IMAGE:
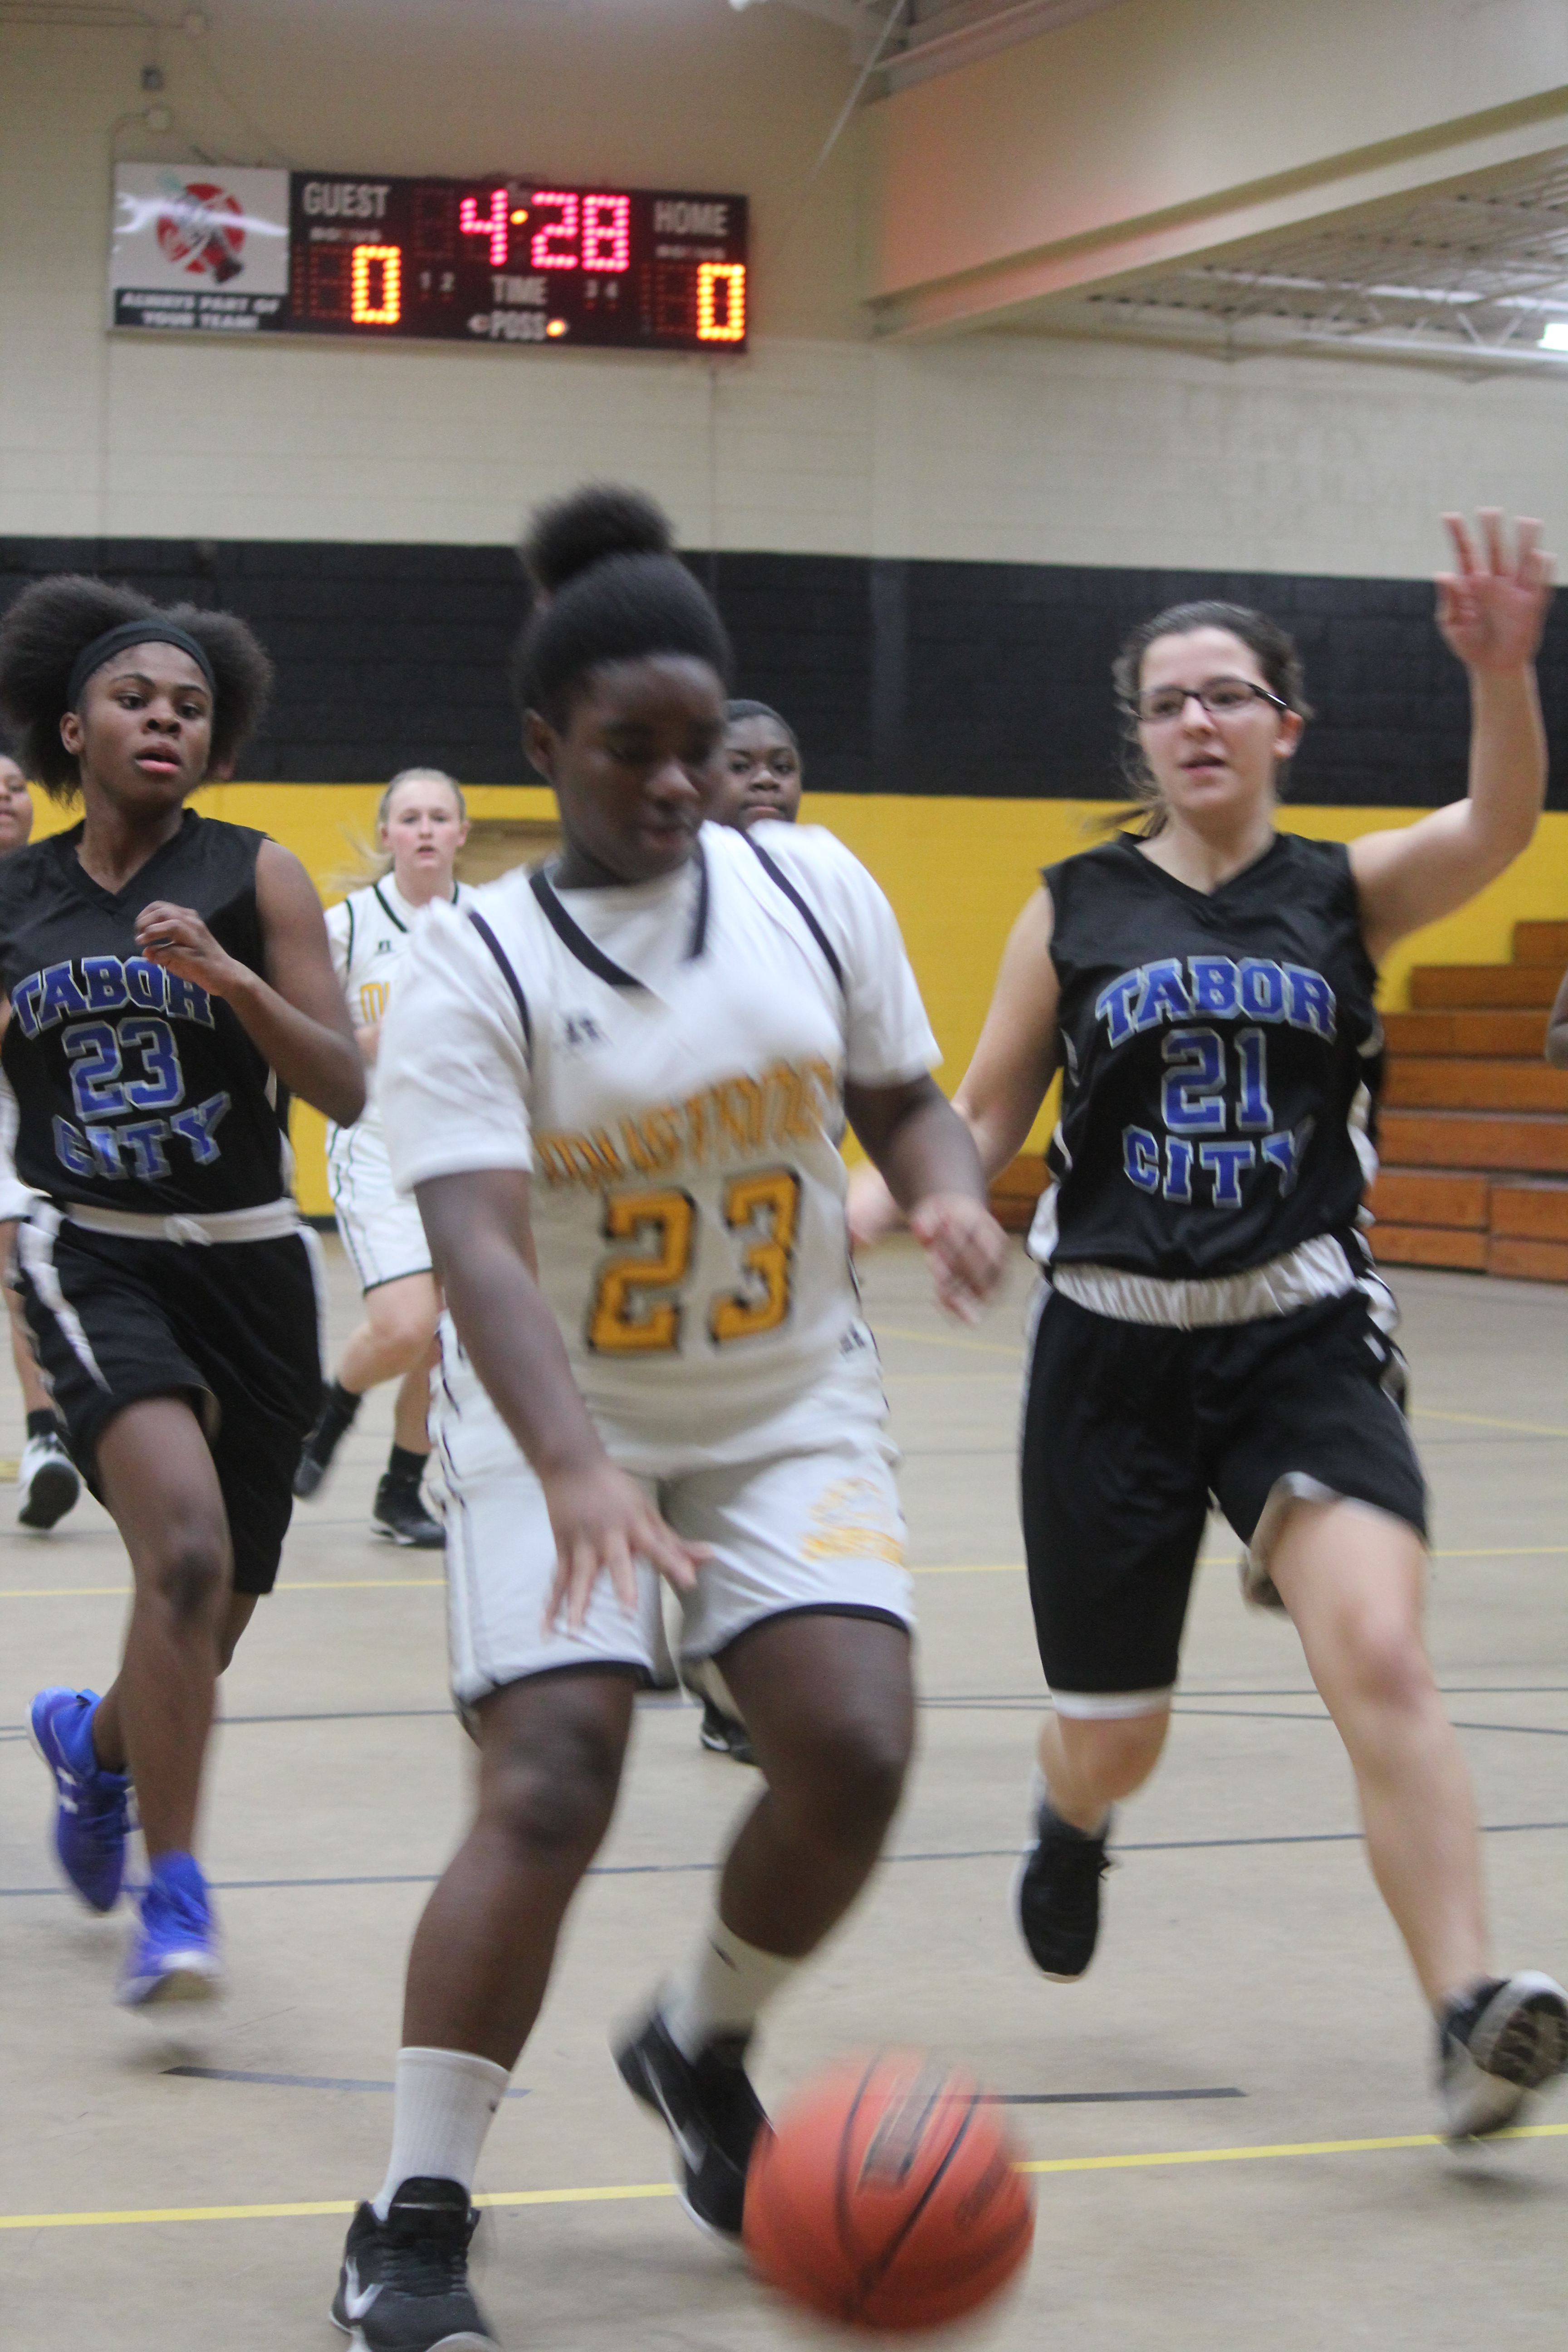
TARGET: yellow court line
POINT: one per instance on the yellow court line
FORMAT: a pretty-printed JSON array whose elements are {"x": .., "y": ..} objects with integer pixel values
[
  {"x": 1283, "y": 2148},
  {"x": 1486, "y": 1421},
  {"x": 1419, "y": 1411},
  {"x": 981, "y": 1568},
  {"x": 410, "y": 1584},
  {"x": 945, "y": 1567},
  {"x": 332, "y": 1584},
  {"x": 948, "y": 1340},
  {"x": 645, "y": 2188}
]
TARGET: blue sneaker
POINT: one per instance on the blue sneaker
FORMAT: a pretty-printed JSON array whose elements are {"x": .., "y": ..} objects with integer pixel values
[
  {"x": 92, "y": 1814},
  {"x": 173, "y": 1954}
]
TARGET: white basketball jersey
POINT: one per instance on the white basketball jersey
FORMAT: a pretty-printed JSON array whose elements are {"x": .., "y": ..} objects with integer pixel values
[
  {"x": 669, "y": 1061},
  {"x": 369, "y": 932}
]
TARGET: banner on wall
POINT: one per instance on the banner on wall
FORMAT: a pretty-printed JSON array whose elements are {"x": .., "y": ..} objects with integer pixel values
[{"x": 199, "y": 247}]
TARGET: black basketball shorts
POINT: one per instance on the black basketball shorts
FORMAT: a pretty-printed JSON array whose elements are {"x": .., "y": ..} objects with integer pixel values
[
  {"x": 1129, "y": 1429},
  {"x": 233, "y": 1326}
]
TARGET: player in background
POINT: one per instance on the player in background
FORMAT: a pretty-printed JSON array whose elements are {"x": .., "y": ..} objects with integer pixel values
[
  {"x": 46, "y": 1477},
  {"x": 421, "y": 826},
  {"x": 167, "y": 985},
  {"x": 1211, "y": 1318},
  {"x": 762, "y": 771},
  {"x": 616, "y": 1087}
]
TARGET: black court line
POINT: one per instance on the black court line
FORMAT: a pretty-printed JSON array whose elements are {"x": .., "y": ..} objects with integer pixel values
[
  {"x": 1097, "y": 2098},
  {"x": 1279, "y": 1714},
  {"x": 672, "y": 1703},
  {"x": 991, "y": 2098},
  {"x": 301, "y": 2081},
  {"x": 685, "y": 1869}
]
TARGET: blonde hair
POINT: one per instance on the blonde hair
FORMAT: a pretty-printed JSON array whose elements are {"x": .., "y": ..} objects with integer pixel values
[
  {"x": 420, "y": 776},
  {"x": 371, "y": 863}
]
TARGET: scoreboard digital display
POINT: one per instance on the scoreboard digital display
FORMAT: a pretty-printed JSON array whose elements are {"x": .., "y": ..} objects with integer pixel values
[{"x": 497, "y": 261}]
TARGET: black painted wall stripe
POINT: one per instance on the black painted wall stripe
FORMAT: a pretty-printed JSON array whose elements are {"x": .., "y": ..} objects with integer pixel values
[{"x": 900, "y": 676}]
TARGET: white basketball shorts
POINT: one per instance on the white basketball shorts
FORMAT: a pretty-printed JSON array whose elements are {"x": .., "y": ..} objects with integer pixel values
[
  {"x": 16, "y": 1200},
  {"x": 381, "y": 1228},
  {"x": 814, "y": 1526}
]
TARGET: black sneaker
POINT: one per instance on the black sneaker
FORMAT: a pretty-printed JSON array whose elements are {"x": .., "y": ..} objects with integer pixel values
[
  {"x": 712, "y": 2112},
  {"x": 1498, "y": 2044},
  {"x": 401, "y": 1514},
  {"x": 1057, "y": 1897},
  {"x": 726, "y": 1735},
  {"x": 404, "y": 2286},
  {"x": 316, "y": 1453}
]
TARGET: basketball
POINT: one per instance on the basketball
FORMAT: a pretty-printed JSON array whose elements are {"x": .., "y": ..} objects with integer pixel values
[{"x": 888, "y": 2196}]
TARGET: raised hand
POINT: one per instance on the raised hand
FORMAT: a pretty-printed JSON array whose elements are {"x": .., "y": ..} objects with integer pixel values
[{"x": 1492, "y": 607}]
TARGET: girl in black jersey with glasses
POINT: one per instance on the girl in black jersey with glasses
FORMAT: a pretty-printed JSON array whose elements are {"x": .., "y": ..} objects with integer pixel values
[
  {"x": 1212, "y": 1320},
  {"x": 166, "y": 986}
]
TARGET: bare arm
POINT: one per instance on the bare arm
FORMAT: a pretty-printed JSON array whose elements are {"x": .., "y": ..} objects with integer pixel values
[
  {"x": 1490, "y": 611},
  {"x": 927, "y": 1159},
  {"x": 1006, "y": 1083},
  {"x": 1556, "y": 1029},
  {"x": 295, "y": 1016},
  {"x": 482, "y": 1249},
  {"x": 1001, "y": 1090}
]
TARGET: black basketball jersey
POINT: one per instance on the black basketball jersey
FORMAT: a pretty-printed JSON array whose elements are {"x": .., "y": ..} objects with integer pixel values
[
  {"x": 134, "y": 1089},
  {"x": 1222, "y": 1059}
]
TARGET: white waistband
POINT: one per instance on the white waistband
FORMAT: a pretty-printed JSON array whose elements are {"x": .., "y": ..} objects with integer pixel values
[
  {"x": 269, "y": 1223},
  {"x": 1318, "y": 1269}
]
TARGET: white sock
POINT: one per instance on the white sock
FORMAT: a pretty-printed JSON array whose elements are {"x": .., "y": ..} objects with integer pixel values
[
  {"x": 723, "y": 1989},
  {"x": 445, "y": 2101}
]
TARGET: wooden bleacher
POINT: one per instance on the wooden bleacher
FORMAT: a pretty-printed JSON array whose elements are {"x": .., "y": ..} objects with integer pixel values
[
  {"x": 1474, "y": 1125},
  {"x": 1474, "y": 1128}
]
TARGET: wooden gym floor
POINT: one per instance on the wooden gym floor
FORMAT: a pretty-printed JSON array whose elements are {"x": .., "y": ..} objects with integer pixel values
[{"x": 1230, "y": 2118}]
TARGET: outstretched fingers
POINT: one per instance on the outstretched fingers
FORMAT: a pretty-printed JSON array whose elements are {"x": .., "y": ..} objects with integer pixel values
[
  {"x": 1464, "y": 557},
  {"x": 604, "y": 1526}
]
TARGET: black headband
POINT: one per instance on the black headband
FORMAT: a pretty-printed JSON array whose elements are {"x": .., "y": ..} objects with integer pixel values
[{"x": 153, "y": 631}]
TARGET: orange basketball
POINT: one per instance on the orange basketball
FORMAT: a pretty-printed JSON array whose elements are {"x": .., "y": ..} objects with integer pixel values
[{"x": 887, "y": 2194}]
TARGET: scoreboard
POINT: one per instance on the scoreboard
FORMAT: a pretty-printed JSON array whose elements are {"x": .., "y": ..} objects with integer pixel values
[{"x": 495, "y": 260}]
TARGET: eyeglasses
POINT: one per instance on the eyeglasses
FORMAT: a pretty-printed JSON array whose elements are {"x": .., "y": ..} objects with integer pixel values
[{"x": 1222, "y": 697}]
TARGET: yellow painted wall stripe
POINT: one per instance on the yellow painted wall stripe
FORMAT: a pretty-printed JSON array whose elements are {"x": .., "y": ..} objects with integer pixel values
[
  {"x": 636, "y": 2190},
  {"x": 914, "y": 844}
]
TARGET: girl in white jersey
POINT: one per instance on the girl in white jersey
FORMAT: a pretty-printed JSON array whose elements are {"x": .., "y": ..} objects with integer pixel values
[
  {"x": 422, "y": 823},
  {"x": 617, "y": 1088}
]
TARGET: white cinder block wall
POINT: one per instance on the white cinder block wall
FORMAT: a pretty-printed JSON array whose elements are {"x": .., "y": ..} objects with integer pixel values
[{"x": 1000, "y": 447}]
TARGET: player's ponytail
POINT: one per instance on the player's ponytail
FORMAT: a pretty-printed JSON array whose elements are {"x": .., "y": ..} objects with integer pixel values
[
  {"x": 610, "y": 588},
  {"x": 53, "y": 623}
]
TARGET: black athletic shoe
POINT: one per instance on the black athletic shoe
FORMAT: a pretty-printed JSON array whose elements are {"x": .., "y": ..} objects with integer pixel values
[
  {"x": 712, "y": 2112},
  {"x": 1057, "y": 1897},
  {"x": 316, "y": 1453},
  {"x": 726, "y": 1735},
  {"x": 400, "y": 1514},
  {"x": 404, "y": 2286},
  {"x": 1498, "y": 2044}
]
